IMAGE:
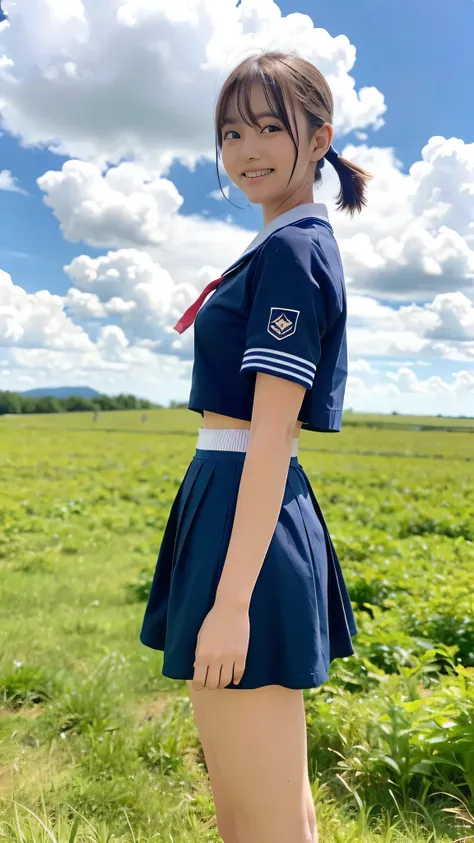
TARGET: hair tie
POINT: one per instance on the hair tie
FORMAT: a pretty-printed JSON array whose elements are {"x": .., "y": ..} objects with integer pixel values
[{"x": 332, "y": 156}]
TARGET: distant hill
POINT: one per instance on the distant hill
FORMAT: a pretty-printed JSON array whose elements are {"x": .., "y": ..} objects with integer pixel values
[{"x": 62, "y": 392}]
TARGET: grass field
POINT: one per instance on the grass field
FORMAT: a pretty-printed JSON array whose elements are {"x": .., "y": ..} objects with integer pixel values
[{"x": 96, "y": 744}]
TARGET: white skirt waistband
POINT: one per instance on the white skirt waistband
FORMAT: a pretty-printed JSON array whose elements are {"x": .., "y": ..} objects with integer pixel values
[{"x": 229, "y": 439}]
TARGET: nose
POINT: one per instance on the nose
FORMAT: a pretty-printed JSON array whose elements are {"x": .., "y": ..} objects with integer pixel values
[{"x": 249, "y": 150}]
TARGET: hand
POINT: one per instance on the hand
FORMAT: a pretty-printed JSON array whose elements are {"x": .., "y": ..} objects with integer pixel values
[{"x": 222, "y": 642}]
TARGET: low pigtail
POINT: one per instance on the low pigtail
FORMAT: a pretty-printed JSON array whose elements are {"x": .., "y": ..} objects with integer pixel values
[{"x": 353, "y": 179}]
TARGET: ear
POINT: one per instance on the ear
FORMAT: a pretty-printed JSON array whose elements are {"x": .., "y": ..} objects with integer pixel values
[{"x": 321, "y": 141}]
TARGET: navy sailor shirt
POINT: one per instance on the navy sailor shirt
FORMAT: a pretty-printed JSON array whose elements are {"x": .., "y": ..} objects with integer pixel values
[{"x": 280, "y": 309}]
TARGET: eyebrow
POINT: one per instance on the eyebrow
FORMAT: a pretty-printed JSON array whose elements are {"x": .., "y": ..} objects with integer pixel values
[{"x": 230, "y": 120}]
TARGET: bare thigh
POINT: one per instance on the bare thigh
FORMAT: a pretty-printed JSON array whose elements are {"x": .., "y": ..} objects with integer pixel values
[
  {"x": 257, "y": 746},
  {"x": 223, "y": 800}
]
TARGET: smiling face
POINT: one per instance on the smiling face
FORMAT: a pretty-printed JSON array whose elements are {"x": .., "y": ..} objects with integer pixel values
[{"x": 269, "y": 146}]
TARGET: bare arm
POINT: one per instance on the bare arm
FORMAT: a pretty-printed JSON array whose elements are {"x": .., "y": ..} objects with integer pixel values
[{"x": 276, "y": 405}]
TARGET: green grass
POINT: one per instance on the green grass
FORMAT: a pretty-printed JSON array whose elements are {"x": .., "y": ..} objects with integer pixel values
[
  {"x": 95, "y": 743},
  {"x": 423, "y": 422}
]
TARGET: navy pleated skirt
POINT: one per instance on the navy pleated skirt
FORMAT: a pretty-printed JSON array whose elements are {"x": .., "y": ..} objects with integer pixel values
[{"x": 300, "y": 613}]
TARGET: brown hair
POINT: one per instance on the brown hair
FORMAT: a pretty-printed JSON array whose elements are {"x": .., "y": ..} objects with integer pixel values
[{"x": 286, "y": 73}]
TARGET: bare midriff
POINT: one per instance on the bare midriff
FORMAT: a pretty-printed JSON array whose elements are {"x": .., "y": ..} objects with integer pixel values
[{"x": 217, "y": 420}]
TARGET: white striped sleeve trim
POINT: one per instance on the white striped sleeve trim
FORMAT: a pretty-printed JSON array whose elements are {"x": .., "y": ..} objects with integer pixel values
[{"x": 293, "y": 367}]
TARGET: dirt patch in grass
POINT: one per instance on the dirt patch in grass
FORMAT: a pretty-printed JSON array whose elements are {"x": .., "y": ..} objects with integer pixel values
[{"x": 152, "y": 709}]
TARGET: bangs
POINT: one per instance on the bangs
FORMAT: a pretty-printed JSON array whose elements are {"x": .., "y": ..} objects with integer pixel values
[{"x": 237, "y": 95}]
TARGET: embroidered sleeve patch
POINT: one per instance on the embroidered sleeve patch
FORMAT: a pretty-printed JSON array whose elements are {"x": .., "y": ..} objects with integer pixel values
[{"x": 282, "y": 322}]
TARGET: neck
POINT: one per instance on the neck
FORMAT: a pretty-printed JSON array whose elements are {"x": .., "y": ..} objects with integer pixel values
[{"x": 271, "y": 212}]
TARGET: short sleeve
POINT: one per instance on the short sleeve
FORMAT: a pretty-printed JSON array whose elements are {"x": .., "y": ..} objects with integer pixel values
[{"x": 287, "y": 317}]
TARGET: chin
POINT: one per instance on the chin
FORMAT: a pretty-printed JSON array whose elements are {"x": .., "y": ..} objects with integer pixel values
[
  {"x": 262, "y": 191},
  {"x": 262, "y": 198}
]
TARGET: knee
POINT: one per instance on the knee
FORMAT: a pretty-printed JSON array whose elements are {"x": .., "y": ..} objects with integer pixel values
[
  {"x": 311, "y": 815},
  {"x": 228, "y": 835},
  {"x": 260, "y": 831},
  {"x": 313, "y": 831},
  {"x": 226, "y": 829},
  {"x": 313, "y": 828}
]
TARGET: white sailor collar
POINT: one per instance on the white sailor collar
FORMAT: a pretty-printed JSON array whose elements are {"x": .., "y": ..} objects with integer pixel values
[{"x": 300, "y": 212}]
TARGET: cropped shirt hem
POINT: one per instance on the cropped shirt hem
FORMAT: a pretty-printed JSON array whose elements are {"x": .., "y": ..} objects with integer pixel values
[{"x": 328, "y": 422}]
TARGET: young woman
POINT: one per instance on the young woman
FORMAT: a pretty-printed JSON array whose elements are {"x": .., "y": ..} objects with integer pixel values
[{"x": 248, "y": 593}]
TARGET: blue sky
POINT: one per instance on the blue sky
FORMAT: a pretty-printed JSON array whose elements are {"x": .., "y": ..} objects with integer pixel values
[{"x": 418, "y": 55}]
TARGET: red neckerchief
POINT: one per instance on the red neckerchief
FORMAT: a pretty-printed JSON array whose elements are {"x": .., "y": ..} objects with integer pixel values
[{"x": 189, "y": 315}]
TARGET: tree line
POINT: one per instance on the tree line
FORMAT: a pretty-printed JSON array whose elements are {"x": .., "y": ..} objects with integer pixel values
[{"x": 16, "y": 403}]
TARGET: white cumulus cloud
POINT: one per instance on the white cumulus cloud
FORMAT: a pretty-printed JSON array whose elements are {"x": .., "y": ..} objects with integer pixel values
[{"x": 93, "y": 79}]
